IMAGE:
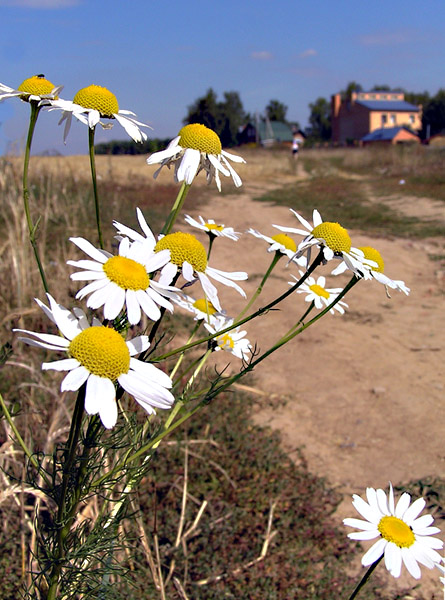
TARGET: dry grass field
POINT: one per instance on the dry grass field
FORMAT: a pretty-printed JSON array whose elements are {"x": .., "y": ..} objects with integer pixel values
[{"x": 363, "y": 394}]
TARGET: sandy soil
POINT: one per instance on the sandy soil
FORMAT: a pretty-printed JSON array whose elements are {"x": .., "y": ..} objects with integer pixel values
[{"x": 362, "y": 393}]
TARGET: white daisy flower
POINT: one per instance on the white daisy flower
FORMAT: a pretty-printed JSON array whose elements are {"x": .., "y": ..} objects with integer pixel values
[
  {"x": 317, "y": 292},
  {"x": 99, "y": 357},
  {"x": 93, "y": 103},
  {"x": 404, "y": 537},
  {"x": 333, "y": 238},
  {"x": 195, "y": 148},
  {"x": 202, "y": 309},
  {"x": 212, "y": 228},
  {"x": 232, "y": 341},
  {"x": 33, "y": 89},
  {"x": 123, "y": 280},
  {"x": 281, "y": 243},
  {"x": 187, "y": 256},
  {"x": 376, "y": 271}
]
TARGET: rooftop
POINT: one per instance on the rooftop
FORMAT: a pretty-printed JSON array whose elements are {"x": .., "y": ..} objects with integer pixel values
[{"x": 389, "y": 105}]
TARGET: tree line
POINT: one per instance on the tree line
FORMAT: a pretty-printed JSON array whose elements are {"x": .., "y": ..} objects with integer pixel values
[{"x": 227, "y": 117}]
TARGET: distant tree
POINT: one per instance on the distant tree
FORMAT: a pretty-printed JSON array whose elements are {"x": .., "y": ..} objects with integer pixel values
[
  {"x": 232, "y": 116},
  {"x": 276, "y": 111},
  {"x": 418, "y": 97},
  {"x": 204, "y": 110},
  {"x": 382, "y": 88},
  {"x": 225, "y": 117},
  {"x": 433, "y": 117},
  {"x": 352, "y": 86},
  {"x": 320, "y": 119}
]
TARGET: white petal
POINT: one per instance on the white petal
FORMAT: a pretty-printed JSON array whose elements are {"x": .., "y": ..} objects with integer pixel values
[
  {"x": 189, "y": 165},
  {"x": 414, "y": 511},
  {"x": 210, "y": 290},
  {"x": 148, "y": 305},
  {"x": 131, "y": 128},
  {"x": 66, "y": 364},
  {"x": 74, "y": 379},
  {"x": 65, "y": 320},
  {"x": 133, "y": 307},
  {"x": 114, "y": 303},
  {"x": 151, "y": 372},
  {"x": 374, "y": 553},
  {"x": 365, "y": 510},
  {"x": 138, "y": 344},
  {"x": 55, "y": 342},
  {"x": 90, "y": 265},
  {"x": 188, "y": 271},
  {"x": 393, "y": 559},
  {"x": 99, "y": 255}
]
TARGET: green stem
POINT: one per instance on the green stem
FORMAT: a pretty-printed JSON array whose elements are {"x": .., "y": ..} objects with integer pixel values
[
  {"x": 365, "y": 578},
  {"x": 301, "y": 319},
  {"x": 32, "y": 228},
  {"x": 62, "y": 523},
  {"x": 21, "y": 442},
  {"x": 275, "y": 259},
  {"x": 91, "y": 132},
  {"x": 176, "y": 208},
  {"x": 212, "y": 237},
  {"x": 284, "y": 340},
  {"x": 180, "y": 359}
]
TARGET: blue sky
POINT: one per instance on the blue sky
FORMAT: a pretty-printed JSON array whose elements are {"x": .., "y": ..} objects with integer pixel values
[{"x": 158, "y": 57}]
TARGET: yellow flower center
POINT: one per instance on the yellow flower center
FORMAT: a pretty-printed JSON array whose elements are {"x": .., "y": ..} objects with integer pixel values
[
  {"x": 226, "y": 342},
  {"x": 286, "y": 241},
  {"x": 373, "y": 254},
  {"x": 37, "y": 86},
  {"x": 126, "y": 273},
  {"x": 204, "y": 306},
  {"x": 102, "y": 351},
  {"x": 214, "y": 226},
  {"x": 335, "y": 236},
  {"x": 199, "y": 137},
  {"x": 184, "y": 247},
  {"x": 98, "y": 98},
  {"x": 320, "y": 291},
  {"x": 397, "y": 531}
]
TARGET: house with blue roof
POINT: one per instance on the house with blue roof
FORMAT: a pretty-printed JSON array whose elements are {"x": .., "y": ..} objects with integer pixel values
[
  {"x": 361, "y": 113},
  {"x": 390, "y": 135}
]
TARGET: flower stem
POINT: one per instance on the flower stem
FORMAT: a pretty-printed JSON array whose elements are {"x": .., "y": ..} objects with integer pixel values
[
  {"x": 275, "y": 259},
  {"x": 91, "y": 132},
  {"x": 176, "y": 208},
  {"x": 32, "y": 228},
  {"x": 365, "y": 578},
  {"x": 66, "y": 514},
  {"x": 21, "y": 442}
]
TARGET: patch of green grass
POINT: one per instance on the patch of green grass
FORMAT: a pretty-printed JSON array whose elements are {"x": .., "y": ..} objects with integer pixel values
[{"x": 343, "y": 200}]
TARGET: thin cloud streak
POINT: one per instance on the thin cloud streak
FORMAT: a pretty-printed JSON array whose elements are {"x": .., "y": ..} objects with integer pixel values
[
  {"x": 261, "y": 55},
  {"x": 393, "y": 38},
  {"x": 308, "y": 52}
]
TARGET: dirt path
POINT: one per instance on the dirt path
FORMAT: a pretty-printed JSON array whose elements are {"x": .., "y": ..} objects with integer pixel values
[{"x": 362, "y": 393}]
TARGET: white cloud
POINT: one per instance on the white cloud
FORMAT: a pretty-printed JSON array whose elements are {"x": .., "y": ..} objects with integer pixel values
[
  {"x": 388, "y": 38},
  {"x": 40, "y": 4},
  {"x": 261, "y": 55},
  {"x": 308, "y": 52}
]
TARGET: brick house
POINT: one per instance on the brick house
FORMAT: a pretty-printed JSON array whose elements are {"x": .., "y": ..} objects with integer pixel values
[{"x": 354, "y": 117}]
